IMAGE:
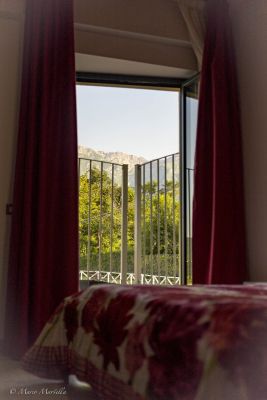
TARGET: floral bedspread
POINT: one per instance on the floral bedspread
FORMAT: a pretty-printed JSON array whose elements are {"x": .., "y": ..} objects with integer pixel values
[{"x": 160, "y": 343}]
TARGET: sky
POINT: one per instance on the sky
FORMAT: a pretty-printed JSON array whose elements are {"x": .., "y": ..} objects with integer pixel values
[{"x": 134, "y": 121}]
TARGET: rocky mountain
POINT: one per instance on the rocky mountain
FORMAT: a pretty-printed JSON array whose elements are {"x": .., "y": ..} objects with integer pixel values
[
  {"x": 85, "y": 153},
  {"x": 115, "y": 157}
]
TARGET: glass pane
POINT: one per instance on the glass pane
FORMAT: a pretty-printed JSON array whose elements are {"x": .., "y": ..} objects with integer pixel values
[{"x": 191, "y": 111}]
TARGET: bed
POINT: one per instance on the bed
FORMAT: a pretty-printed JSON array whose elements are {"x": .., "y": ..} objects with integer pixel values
[{"x": 160, "y": 343}]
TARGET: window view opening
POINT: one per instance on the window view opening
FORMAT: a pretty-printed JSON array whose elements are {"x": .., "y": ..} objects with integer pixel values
[{"x": 129, "y": 207}]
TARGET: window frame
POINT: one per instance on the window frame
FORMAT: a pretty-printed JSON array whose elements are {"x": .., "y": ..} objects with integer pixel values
[
  {"x": 183, "y": 183},
  {"x": 136, "y": 81},
  {"x": 158, "y": 83}
]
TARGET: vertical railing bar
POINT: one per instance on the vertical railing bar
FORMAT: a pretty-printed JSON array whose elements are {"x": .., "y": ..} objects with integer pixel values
[
  {"x": 165, "y": 216},
  {"x": 137, "y": 226},
  {"x": 144, "y": 218},
  {"x": 89, "y": 218},
  {"x": 111, "y": 218},
  {"x": 100, "y": 219},
  {"x": 189, "y": 225},
  {"x": 186, "y": 228},
  {"x": 124, "y": 230},
  {"x": 178, "y": 227},
  {"x": 79, "y": 189},
  {"x": 151, "y": 222},
  {"x": 158, "y": 219},
  {"x": 173, "y": 217}
]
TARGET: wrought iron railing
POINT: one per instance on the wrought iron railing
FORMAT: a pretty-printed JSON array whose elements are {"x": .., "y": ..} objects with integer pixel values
[
  {"x": 103, "y": 209},
  {"x": 115, "y": 277},
  {"x": 157, "y": 221},
  {"x": 109, "y": 249}
]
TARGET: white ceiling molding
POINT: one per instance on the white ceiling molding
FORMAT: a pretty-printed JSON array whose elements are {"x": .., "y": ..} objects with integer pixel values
[
  {"x": 107, "y": 65},
  {"x": 132, "y": 35}
]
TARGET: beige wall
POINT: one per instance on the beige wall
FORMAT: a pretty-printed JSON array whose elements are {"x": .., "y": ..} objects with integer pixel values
[
  {"x": 148, "y": 31},
  {"x": 154, "y": 17},
  {"x": 11, "y": 26},
  {"x": 250, "y": 34}
]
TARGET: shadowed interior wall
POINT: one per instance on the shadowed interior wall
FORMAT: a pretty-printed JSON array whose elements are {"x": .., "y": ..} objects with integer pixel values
[
  {"x": 11, "y": 32},
  {"x": 250, "y": 33},
  {"x": 150, "y": 31}
]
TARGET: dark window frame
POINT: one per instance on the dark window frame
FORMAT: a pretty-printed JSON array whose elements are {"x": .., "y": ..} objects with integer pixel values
[
  {"x": 183, "y": 181},
  {"x": 129, "y": 80},
  {"x": 158, "y": 83}
]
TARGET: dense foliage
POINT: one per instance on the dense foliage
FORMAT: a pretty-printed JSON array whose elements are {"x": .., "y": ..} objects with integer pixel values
[{"x": 159, "y": 224}]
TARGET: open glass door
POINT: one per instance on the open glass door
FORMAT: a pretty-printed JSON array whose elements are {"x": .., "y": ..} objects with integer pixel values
[{"x": 188, "y": 128}]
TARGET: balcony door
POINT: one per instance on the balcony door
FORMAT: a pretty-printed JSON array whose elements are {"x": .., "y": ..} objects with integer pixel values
[
  {"x": 188, "y": 128},
  {"x": 137, "y": 228}
]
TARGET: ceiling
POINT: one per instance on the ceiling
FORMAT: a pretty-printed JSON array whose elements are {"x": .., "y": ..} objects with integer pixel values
[{"x": 98, "y": 64}]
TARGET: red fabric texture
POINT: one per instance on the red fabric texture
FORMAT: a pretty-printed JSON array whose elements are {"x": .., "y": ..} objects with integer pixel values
[
  {"x": 159, "y": 343},
  {"x": 43, "y": 265},
  {"x": 219, "y": 248}
]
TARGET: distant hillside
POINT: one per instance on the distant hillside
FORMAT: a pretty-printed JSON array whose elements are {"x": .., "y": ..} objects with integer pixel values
[
  {"x": 115, "y": 157},
  {"x": 122, "y": 158}
]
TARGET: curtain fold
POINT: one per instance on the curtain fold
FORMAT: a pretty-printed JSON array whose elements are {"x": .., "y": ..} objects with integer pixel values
[
  {"x": 43, "y": 263},
  {"x": 193, "y": 12},
  {"x": 219, "y": 246}
]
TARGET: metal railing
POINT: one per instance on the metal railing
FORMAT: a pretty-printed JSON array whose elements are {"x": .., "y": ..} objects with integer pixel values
[
  {"x": 115, "y": 277},
  {"x": 157, "y": 221},
  {"x": 103, "y": 215},
  {"x": 107, "y": 251}
]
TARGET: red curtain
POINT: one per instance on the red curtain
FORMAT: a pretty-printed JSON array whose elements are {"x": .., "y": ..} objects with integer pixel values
[
  {"x": 219, "y": 251},
  {"x": 43, "y": 265}
]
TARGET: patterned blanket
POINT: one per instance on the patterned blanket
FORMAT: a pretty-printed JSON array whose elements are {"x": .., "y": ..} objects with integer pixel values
[{"x": 160, "y": 343}]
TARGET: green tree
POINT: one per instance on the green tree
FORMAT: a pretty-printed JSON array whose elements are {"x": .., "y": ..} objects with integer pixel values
[
  {"x": 96, "y": 233},
  {"x": 160, "y": 231}
]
